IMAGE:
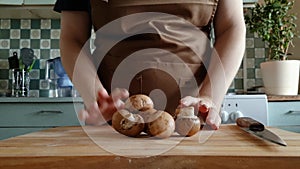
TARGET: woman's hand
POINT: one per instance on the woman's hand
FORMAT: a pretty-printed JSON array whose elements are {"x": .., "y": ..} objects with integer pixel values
[
  {"x": 212, "y": 118},
  {"x": 101, "y": 111}
]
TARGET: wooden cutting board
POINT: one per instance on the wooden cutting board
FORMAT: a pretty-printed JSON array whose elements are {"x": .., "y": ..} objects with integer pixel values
[{"x": 101, "y": 147}]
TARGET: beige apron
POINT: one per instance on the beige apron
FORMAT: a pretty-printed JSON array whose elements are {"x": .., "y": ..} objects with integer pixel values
[{"x": 158, "y": 60}]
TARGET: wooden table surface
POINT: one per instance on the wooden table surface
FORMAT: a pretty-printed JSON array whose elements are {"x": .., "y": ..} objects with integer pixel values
[{"x": 101, "y": 147}]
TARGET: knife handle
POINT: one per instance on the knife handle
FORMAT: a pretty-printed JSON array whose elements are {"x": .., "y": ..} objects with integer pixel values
[{"x": 251, "y": 124}]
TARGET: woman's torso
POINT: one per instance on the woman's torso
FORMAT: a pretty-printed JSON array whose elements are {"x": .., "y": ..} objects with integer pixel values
[{"x": 157, "y": 48}]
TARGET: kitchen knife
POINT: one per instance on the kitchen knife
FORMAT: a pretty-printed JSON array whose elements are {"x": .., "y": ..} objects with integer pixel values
[{"x": 254, "y": 127}]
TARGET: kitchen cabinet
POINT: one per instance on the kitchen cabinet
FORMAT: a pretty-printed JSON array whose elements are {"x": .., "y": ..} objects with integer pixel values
[
  {"x": 11, "y": 2},
  {"x": 39, "y": 2},
  {"x": 27, "y": 2},
  {"x": 24, "y": 9},
  {"x": 284, "y": 112},
  {"x": 24, "y": 115}
]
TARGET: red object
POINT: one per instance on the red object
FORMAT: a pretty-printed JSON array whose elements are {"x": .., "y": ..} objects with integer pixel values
[
  {"x": 203, "y": 108},
  {"x": 203, "y": 111}
]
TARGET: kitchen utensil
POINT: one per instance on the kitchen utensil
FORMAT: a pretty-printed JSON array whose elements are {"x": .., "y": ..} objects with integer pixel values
[
  {"x": 27, "y": 57},
  {"x": 20, "y": 83},
  {"x": 13, "y": 61},
  {"x": 57, "y": 67},
  {"x": 258, "y": 129},
  {"x": 61, "y": 83}
]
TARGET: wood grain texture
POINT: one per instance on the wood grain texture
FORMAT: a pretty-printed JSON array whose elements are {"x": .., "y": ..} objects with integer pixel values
[
  {"x": 274, "y": 98},
  {"x": 75, "y": 147}
]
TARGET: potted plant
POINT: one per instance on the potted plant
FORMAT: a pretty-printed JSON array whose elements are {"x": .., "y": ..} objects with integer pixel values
[{"x": 275, "y": 24}]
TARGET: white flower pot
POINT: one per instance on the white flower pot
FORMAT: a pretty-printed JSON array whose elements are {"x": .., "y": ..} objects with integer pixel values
[{"x": 280, "y": 77}]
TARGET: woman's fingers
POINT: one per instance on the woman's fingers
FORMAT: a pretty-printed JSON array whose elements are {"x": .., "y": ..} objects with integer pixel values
[
  {"x": 83, "y": 115},
  {"x": 102, "y": 94},
  {"x": 92, "y": 115},
  {"x": 189, "y": 101},
  {"x": 101, "y": 111},
  {"x": 107, "y": 105},
  {"x": 213, "y": 119},
  {"x": 196, "y": 101},
  {"x": 117, "y": 95}
]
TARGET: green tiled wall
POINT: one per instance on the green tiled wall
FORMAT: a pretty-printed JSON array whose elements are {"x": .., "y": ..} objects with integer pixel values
[{"x": 42, "y": 35}]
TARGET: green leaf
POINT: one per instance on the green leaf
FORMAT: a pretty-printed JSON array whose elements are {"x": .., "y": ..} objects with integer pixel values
[{"x": 274, "y": 23}]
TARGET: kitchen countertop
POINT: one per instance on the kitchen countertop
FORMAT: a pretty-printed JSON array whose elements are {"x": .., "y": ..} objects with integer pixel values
[
  {"x": 274, "y": 98},
  {"x": 39, "y": 99},
  {"x": 70, "y": 147}
]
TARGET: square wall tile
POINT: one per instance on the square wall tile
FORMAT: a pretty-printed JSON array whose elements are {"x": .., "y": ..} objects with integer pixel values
[
  {"x": 14, "y": 43},
  {"x": 45, "y": 34},
  {"x": 4, "y": 53},
  {"x": 15, "y": 34},
  {"x": 3, "y": 84},
  {"x": 258, "y": 43},
  {"x": 35, "y": 34},
  {"x": 4, "y": 43},
  {"x": 4, "y": 64},
  {"x": 55, "y": 24},
  {"x": 25, "y": 23},
  {"x": 35, "y": 24},
  {"x": 4, "y": 74},
  {"x": 25, "y": 33},
  {"x": 238, "y": 84},
  {"x": 250, "y": 83},
  {"x": 5, "y": 34},
  {"x": 250, "y": 42},
  {"x": 15, "y": 24},
  {"x": 5, "y": 24},
  {"x": 46, "y": 24},
  {"x": 259, "y": 53}
]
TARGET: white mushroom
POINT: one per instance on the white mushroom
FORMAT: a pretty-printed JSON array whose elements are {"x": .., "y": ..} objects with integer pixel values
[{"x": 187, "y": 124}]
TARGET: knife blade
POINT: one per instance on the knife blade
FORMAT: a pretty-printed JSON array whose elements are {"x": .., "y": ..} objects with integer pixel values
[{"x": 258, "y": 129}]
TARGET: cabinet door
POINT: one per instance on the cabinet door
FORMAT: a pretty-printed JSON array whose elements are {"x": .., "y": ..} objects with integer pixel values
[
  {"x": 11, "y": 2},
  {"x": 39, "y": 2},
  {"x": 284, "y": 113},
  {"x": 38, "y": 115}
]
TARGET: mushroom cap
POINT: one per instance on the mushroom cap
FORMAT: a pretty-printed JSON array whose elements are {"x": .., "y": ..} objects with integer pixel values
[
  {"x": 138, "y": 102},
  {"x": 127, "y": 123},
  {"x": 161, "y": 125},
  {"x": 149, "y": 114},
  {"x": 187, "y": 125},
  {"x": 185, "y": 111}
]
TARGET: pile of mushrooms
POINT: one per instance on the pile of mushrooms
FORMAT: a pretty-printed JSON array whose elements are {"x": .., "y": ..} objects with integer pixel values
[{"x": 139, "y": 115}]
